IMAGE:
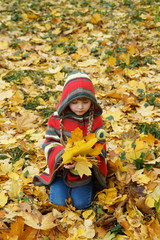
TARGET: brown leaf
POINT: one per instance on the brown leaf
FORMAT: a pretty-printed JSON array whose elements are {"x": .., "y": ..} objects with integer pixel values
[
  {"x": 38, "y": 221},
  {"x": 29, "y": 233},
  {"x": 16, "y": 230},
  {"x": 142, "y": 206},
  {"x": 25, "y": 122},
  {"x": 106, "y": 220}
]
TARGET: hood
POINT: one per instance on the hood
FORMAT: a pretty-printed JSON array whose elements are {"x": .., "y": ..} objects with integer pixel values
[{"x": 78, "y": 85}]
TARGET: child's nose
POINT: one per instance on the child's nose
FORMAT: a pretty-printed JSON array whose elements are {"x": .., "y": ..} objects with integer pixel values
[{"x": 80, "y": 105}]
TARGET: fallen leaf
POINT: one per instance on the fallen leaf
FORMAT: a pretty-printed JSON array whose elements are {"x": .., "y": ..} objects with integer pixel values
[
  {"x": 25, "y": 122},
  {"x": 96, "y": 18},
  {"x": 3, "y": 199},
  {"x": 4, "y": 45},
  {"x": 111, "y": 61},
  {"x": 6, "y": 94},
  {"x": 38, "y": 221}
]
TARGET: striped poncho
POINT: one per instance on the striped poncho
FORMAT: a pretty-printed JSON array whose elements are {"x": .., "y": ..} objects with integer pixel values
[{"x": 77, "y": 85}]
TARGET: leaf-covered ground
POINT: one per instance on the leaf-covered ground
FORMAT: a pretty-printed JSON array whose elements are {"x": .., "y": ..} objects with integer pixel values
[{"x": 117, "y": 44}]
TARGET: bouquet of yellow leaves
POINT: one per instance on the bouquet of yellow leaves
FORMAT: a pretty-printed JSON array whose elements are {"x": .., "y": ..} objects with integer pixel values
[{"x": 80, "y": 149}]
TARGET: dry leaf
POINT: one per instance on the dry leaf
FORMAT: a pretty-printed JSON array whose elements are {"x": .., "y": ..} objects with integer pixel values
[
  {"x": 38, "y": 221},
  {"x": 111, "y": 61},
  {"x": 3, "y": 199},
  {"x": 25, "y": 122},
  {"x": 96, "y": 18},
  {"x": 80, "y": 149},
  {"x": 82, "y": 166},
  {"x": 117, "y": 45}
]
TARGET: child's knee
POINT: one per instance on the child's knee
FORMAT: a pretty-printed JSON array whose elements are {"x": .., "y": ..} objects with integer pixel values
[
  {"x": 81, "y": 205},
  {"x": 81, "y": 202},
  {"x": 60, "y": 201},
  {"x": 58, "y": 192}
]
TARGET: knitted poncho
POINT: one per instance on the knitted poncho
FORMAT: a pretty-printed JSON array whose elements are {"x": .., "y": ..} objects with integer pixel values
[{"x": 77, "y": 85}]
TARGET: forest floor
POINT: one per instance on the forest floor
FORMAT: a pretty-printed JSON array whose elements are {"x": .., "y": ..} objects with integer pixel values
[{"x": 117, "y": 44}]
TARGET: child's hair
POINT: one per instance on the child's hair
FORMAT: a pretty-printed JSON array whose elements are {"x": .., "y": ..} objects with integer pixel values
[
  {"x": 90, "y": 123},
  {"x": 91, "y": 118}
]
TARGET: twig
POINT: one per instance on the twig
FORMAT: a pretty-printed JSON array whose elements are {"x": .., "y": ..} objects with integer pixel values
[{"x": 106, "y": 219}]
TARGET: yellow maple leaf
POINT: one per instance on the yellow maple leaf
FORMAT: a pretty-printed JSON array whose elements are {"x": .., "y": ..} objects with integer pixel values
[
  {"x": 115, "y": 113},
  {"x": 32, "y": 16},
  {"x": 89, "y": 136},
  {"x": 48, "y": 26},
  {"x": 17, "y": 98},
  {"x": 88, "y": 214},
  {"x": 82, "y": 166},
  {"x": 80, "y": 149},
  {"x": 150, "y": 201},
  {"x": 141, "y": 146},
  {"x": 5, "y": 167},
  {"x": 111, "y": 61},
  {"x": 24, "y": 16},
  {"x": 130, "y": 72},
  {"x": 59, "y": 50},
  {"x": 57, "y": 31},
  {"x": 125, "y": 57},
  {"x": 13, "y": 175},
  {"x": 86, "y": 148},
  {"x": 96, "y": 18},
  {"x": 97, "y": 149},
  {"x": 146, "y": 111},
  {"x": 131, "y": 49},
  {"x": 14, "y": 188},
  {"x": 46, "y": 47},
  {"x": 77, "y": 135},
  {"x": 107, "y": 195},
  {"x": 84, "y": 51}
]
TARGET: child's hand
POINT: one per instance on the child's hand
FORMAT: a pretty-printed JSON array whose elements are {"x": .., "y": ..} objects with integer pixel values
[{"x": 70, "y": 165}]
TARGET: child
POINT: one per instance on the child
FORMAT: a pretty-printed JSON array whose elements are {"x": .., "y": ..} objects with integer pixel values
[{"x": 77, "y": 107}]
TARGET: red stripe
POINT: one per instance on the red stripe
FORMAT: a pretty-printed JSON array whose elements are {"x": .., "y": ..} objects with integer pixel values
[
  {"x": 71, "y": 124},
  {"x": 51, "y": 162},
  {"x": 77, "y": 79},
  {"x": 47, "y": 178},
  {"x": 73, "y": 179},
  {"x": 102, "y": 166}
]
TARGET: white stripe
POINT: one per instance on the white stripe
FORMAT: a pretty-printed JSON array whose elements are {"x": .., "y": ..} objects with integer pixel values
[
  {"x": 55, "y": 113},
  {"x": 49, "y": 147},
  {"x": 76, "y": 75},
  {"x": 47, "y": 170},
  {"x": 52, "y": 136}
]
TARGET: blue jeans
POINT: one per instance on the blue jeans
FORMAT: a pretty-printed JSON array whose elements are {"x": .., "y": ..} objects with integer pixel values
[{"x": 81, "y": 196}]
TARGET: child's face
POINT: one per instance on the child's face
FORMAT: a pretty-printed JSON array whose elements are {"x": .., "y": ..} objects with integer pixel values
[{"x": 80, "y": 106}]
